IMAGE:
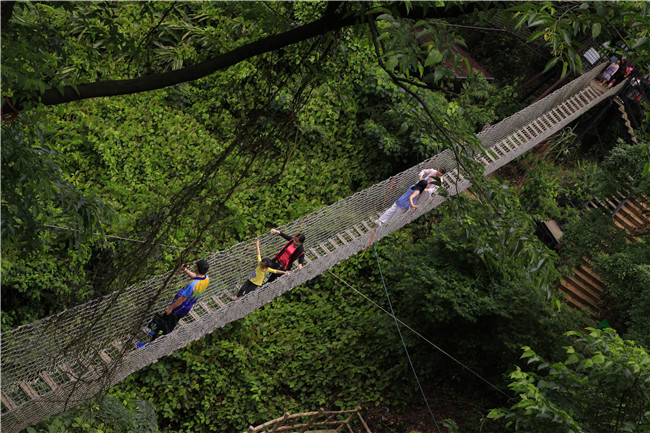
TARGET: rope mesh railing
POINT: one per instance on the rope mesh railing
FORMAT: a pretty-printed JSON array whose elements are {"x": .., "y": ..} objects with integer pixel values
[{"x": 65, "y": 359}]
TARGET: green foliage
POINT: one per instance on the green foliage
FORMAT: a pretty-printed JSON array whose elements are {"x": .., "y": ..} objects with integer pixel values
[
  {"x": 602, "y": 385},
  {"x": 627, "y": 276},
  {"x": 109, "y": 415},
  {"x": 267, "y": 141},
  {"x": 541, "y": 191},
  {"x": 35, "y": 192},
  {"x": 478, "y": 282},
  {"x": 309, "y": 349},
  {"x": 563, "y": 25},
  {"x": 594, "y": 234}
]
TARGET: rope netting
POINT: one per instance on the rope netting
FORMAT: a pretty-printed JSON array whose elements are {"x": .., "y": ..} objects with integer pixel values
[{"x": 65, "y": 359}]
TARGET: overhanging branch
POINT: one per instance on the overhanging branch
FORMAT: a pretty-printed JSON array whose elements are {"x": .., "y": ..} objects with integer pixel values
[{"x": 332, "y": 20}]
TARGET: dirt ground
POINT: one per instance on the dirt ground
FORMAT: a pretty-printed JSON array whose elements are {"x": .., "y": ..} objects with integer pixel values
[{"x": 469, "y": 415}]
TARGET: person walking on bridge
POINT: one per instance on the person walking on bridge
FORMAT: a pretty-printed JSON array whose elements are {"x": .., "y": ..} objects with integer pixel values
[
  {"x": 609, "y": 72},
  {"x": 183, "y": 301},
  {"x": 256, "y": 279},
  {"x": 291, "y": 251}
]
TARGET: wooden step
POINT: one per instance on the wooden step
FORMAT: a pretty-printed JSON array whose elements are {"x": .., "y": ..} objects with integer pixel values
[
  {"x": 28, "y": 390},
  {"x": 352, "y": 236},
  {"x": 7, "y": 401},
  {"x": 324, "y": 248},
  {"x": 572, "y": 300},
  {"x": 555, "y": 229},
  {"x": 594, "y": 276},
  {"x": 205, "y": 306},
  {"x": 48, "y": 380},
  {"x": 192, "y": 313},
  {"x": 582, "y": 290},
  {"x": 314, "y": 253},
  {"x": 582, "y": 274},
  {"x": 104, "y": 357},
  {"x": 219, "y": 302}
]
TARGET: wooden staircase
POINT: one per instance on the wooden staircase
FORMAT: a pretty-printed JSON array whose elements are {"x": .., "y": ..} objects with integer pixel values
[{"x": 584, "y": 288}]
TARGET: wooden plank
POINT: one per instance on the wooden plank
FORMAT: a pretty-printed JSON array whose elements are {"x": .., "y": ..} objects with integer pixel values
[
  {"x": 584, "y": 291},
  {"x": 86, "y": 364},
  {"x": 503, "y": 149},
  {"x": 349, "y": 232},
  {"x": 622, "y": 220},
  {"x": 514, "y": 140},
  {"x": 48, "y": 379},
  {"x": 557, "y": 116},
  {"x": 341, "y": 238},
  {"x": 512, "y": 145},
  {"x": 104, "y": 357},
  {"x": 7, "y": 401},
  {"x": 572, "y": 299},
  {"x": 65, "y": 368},
  {"x": 522, "y": 137},
  {"x": 526, "y": 134},
  {"x": 555, "y": 229},
  {"x": 576, "y": 103},
  {"x": 591, "y": 273},
  {"x": 324, "y": 248},
  {"x": 566, "y": 108},
  {"x": 597, "y": 285},
  {"x": 529, "y": 128},
  {"x": 27, "y": 388},
  {"x": 194, "y": 315},
  {"x": 205, "y": 306},
  {"x": 219, "y": 302},
  {"x": 627, "y": 210},
  {"x": 117, "y": 346},
  {"x": 333, "y": 243},
  {"x": 365, "y": 224},
  {"x": 314, "y": 252},
  {"x": 549, "y": 119},
  {"x": 359, "y": 230}
]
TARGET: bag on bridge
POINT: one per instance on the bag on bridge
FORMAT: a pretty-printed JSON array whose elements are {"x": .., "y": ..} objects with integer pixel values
[{"x": 158, "y": 325}]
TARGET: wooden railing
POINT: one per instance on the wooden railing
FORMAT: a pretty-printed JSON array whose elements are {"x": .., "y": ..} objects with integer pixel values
[{"x": 322, "y": 420}]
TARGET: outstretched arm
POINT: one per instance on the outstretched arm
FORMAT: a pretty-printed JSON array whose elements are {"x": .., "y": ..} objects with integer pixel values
[
  {"x": 278, "y": 232},
  {"x": 189, "y": 273}
]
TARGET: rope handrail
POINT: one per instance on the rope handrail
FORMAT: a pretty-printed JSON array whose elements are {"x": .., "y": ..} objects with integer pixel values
[{"x": 51, "y": 364}]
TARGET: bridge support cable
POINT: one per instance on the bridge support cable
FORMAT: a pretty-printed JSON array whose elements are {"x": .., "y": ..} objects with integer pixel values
[
  {"x": 399, "y": 331},
  {"x": 65, "y": 359}
]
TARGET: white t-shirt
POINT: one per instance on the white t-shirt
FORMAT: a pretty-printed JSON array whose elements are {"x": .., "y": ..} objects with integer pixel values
[{"x": 429, "y": 174}]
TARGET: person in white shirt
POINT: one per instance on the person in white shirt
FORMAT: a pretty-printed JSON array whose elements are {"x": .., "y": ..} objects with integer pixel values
[{"x": 428, "y": 174}]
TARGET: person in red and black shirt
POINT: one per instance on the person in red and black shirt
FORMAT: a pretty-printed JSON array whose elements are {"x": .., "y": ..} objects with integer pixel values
[{"x": 288, "y": 254}]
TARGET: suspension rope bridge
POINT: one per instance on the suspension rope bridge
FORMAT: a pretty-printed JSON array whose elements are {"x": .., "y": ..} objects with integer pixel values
[{"x": 65, "y": 359}]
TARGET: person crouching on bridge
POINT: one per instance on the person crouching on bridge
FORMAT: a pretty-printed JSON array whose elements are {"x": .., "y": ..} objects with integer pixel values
[
  {"x": 256, "y": 279},
  {"x": 289, "y": 253},
  {"x": 403, "y": 203}
]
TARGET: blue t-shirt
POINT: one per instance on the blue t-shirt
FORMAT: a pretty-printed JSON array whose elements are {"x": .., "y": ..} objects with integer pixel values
[
  {"x": 403, "y": 201},
  {"x": 192, "y": 292}
]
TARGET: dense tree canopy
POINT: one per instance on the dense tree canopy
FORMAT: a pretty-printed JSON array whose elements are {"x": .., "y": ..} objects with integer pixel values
[{"x": 224, "y": 119}]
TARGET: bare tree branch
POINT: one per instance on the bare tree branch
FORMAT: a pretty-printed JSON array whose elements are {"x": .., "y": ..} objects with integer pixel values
[{"x": 334, "y": 18}]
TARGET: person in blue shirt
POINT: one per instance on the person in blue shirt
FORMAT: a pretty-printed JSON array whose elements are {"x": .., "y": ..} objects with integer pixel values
[
  {"x": 184, "y": 299},
  {"x": 406, "y": 201}
]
